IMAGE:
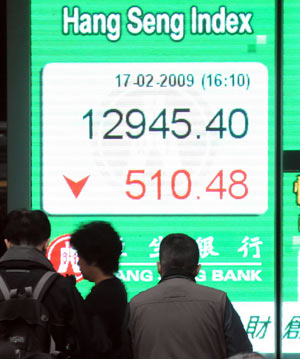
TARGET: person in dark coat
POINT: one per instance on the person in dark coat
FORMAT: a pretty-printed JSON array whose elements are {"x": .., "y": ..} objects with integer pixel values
[
  {"x": 23, "y": 264},
  {"x": 99, "y": 248}
]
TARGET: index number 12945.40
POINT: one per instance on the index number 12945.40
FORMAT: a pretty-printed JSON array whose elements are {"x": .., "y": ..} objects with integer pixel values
[{"x": 236, "y": 122}]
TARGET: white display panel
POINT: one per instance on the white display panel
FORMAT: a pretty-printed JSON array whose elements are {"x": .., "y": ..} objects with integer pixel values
[{"x": 155, "y": 138}]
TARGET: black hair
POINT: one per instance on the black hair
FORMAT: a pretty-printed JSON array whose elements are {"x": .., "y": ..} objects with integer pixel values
[
  {"x": 98, "y": 244},
  {"x": 25, "y": 227},
  {"x": 179, "y": 252}
]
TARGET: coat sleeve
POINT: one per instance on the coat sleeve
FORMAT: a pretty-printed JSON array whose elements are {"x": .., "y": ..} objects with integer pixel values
[
  {"x": 68, "y": 319},
  {"x": 236, "y": 338}
]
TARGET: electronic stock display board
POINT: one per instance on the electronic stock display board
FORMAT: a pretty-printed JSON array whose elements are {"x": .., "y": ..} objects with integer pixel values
[
  {"x": 159, "y": 118},
  {"x": 291, "y": 178}
]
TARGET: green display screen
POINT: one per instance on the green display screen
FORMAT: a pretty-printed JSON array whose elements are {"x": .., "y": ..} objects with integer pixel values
[
  {"x": 159, "y": 118},
  {"x": 291, "y": 178}
]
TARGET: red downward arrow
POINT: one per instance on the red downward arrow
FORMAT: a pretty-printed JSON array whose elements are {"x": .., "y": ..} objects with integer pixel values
[{"x": 76, "y": 187}]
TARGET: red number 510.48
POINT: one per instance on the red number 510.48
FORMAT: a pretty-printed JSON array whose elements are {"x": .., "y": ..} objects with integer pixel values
[{"x": 237, "y": 177}]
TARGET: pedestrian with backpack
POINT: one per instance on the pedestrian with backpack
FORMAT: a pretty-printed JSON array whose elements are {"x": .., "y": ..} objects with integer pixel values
[{"x": 41, "y": 312}]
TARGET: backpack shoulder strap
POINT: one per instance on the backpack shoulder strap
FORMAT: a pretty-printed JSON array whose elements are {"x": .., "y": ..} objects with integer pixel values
[
  {"x": 4, "y": 289},
  {"x": 43, "y": 284}
]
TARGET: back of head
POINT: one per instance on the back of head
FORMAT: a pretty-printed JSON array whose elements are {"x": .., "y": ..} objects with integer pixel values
[
  {"x": 253, "y": 355},
  {"x": 98, "y": 244},
  {"x": 25, "y": 227},
  {"x": 179, "y": 252}
]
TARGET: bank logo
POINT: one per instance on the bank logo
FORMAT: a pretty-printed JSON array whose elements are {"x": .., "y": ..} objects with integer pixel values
[{"x": 63, "y": 257}]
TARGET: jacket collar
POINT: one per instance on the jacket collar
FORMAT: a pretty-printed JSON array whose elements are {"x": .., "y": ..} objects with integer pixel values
[
  {"x": 26, "y": 253},
  {"x": 177, "y": 273}
]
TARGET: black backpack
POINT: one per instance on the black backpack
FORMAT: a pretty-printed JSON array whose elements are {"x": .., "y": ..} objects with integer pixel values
[{"x": 24, "y": 320}]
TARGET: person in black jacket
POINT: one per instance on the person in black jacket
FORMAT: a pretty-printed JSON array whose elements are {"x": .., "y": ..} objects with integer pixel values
[
  {"x": 22, "y": 265},
  {"x": 99, "y": 248}
]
